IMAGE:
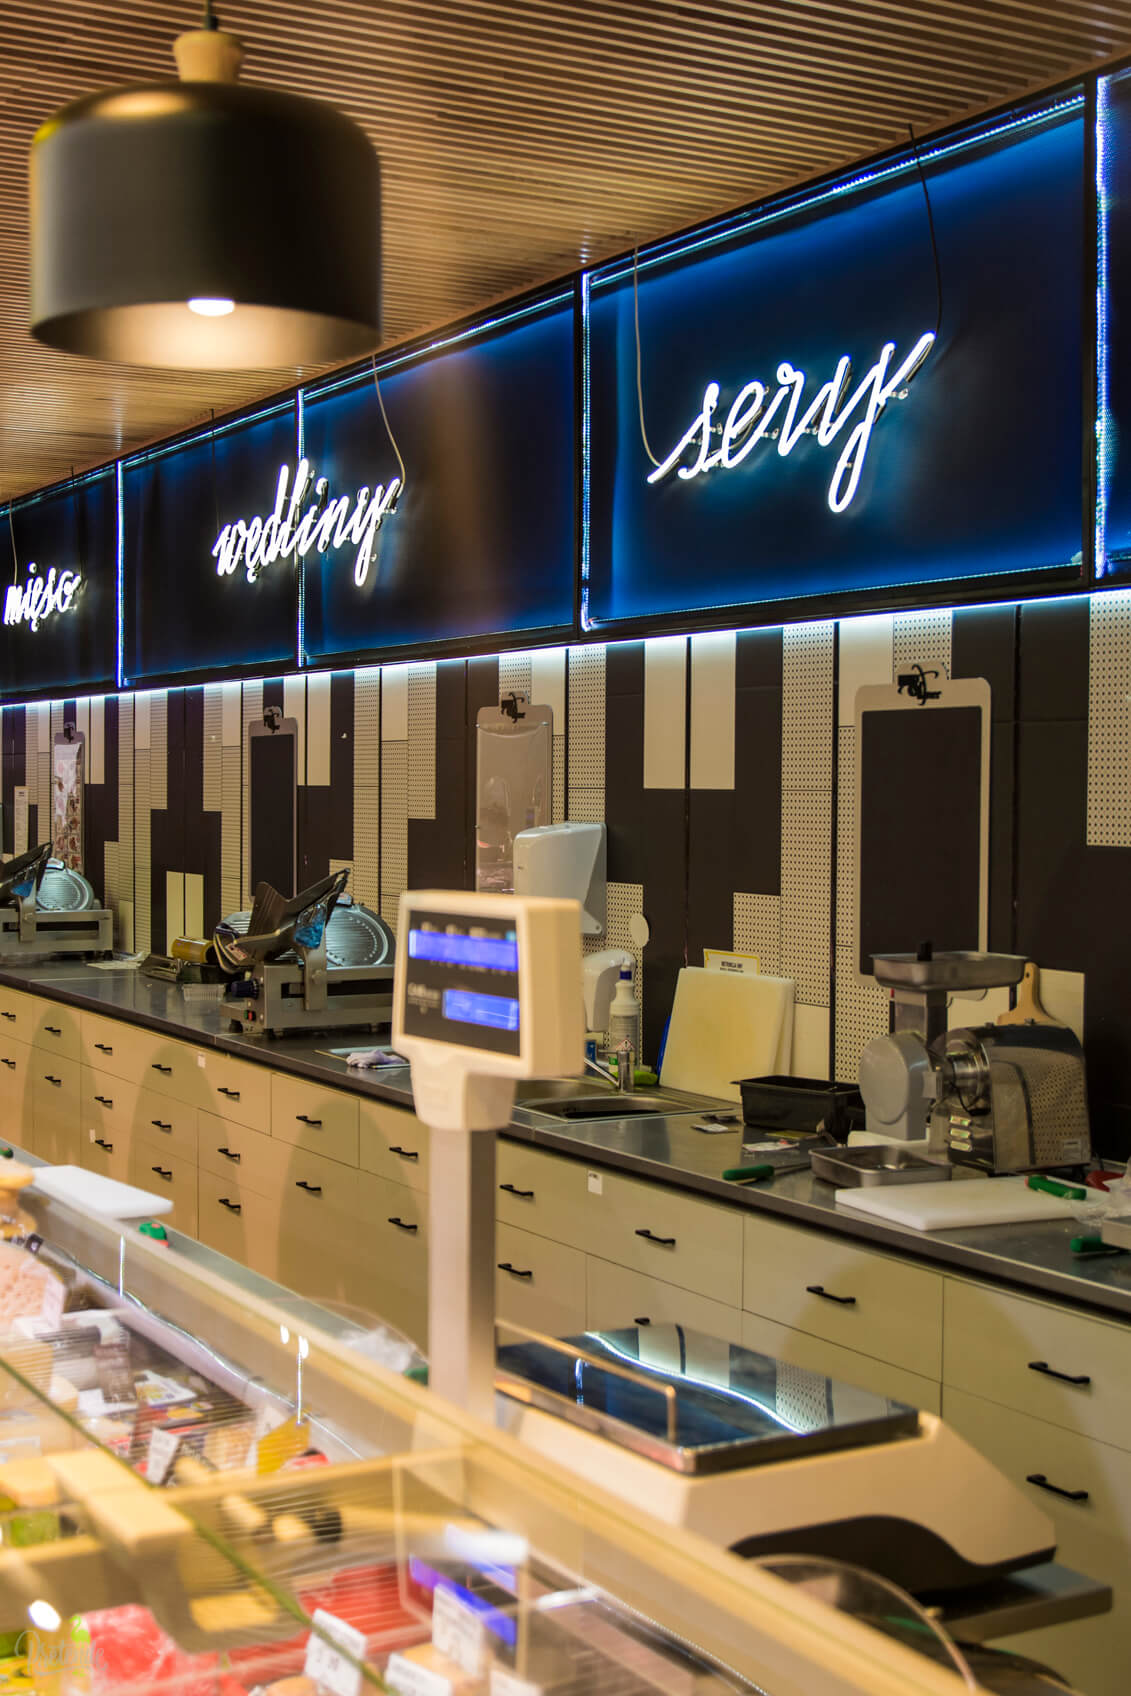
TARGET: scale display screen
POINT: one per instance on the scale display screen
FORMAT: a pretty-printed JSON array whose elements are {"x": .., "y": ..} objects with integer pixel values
[{"x": 461, "y": 983}]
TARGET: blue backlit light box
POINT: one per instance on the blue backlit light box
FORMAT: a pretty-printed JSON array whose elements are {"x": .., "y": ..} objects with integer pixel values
[{"x": 815, "y": 437}]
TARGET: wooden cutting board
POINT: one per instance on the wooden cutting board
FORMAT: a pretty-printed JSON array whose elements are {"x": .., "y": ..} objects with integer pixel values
[
  {"x": 1028, "y": 1010},
  {"x": 962, "y": 1202},
  {"x": 724, "y": 1026}
]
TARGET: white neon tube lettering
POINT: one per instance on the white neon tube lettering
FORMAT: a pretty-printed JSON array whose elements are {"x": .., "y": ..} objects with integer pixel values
[
  {"x": 41, "y": 596},
  {"x": 290, "y": 532},
  {"x": 749, "y": 419}
]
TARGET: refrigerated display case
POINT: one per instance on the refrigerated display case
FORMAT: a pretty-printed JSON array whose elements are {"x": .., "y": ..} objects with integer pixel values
[{"x": 209, "y": 1487}]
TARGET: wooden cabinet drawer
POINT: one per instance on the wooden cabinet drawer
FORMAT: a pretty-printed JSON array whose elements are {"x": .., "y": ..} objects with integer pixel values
[
  {"x": 17, "y": 1014},
  {"x": 871, "y": 1302},
  {"x": 234, "y": 1089},
  {"x": 16, "y": 1108},
  {"x": 311, "y": 1117},
  {"x": 125, "y": 1050},
  {"x": 56, "y": 1107},
  {"x": 616, "y": 1297},
  {"x": 543, "y": 1193},
  {"x": 539, "y": 1284},
  {"x": 168, "y": 1175},
  {"x": 668, "y": 1235},
  {"x": 108, "y": 1104},
  {"x": 1048, "y": 1361},
  {"x": 398, "y": 1265},
  {"x": 110, "y": 1158},
  {"x": 238, "y": 1222},
  {"x": 248, "y": 1157},
  {"x": 55, "y": 1029},
  {"x": 394, "y": 1144},
  {"x": 166, "y": 1122},
  {"x": 846, "y": 1366}
]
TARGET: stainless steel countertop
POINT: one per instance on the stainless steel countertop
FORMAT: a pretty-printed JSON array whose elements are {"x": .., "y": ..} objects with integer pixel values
[{"x": 662, "y": 1147}]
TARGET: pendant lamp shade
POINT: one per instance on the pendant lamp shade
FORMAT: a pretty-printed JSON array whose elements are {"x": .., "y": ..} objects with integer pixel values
[{"x": 205, "y": 224}]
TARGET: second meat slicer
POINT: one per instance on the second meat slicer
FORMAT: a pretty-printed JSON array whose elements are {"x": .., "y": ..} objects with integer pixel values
[
  {"x": 46, "y": 908},
  {"x": 1004, "y": 1098},
  {"x": 314, "y": 961}
]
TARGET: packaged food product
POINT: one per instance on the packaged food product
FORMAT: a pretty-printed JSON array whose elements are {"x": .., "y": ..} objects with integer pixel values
[{"x": 29, "y": 1289}]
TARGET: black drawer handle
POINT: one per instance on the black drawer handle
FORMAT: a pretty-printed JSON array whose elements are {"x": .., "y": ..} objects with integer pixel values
[
  {"x": 515, "y": 1271},
  {"x": 650, "y": 1237},
  {"x": 52, "y": 1030},
  {"x": 401, "y": 1226},
  {"x": 1048, "y": 1371},
  {"x": 232, "y": 1094},
  {"x": 311, "y": 1189},
  {"x": 100, "y": 1142},
  {"x": 303, "y": 1119},
  {"x": 158, "y": 1067},
  {"x": 642, "y": 1319},
  {"x": 104, "y": 1048},
  {"x": 827, "y": 1295},
  {"x": 1042, "y": 1483},
  {"x": 163, "y": 1172},
  {"x": 228, "y": 1155},
  {"x": 161, "y": 1124},
  {"x": 8, "y": 1015},
  {"x": 11, "y": 1065},
  {"x": 405, "y": 1153},
  {"x": 523, "y": 1195},
  {"x": 232, "y": 1206},
  {"x": 56, "y": 1081},
  {"x": 104, "y": 1101}
]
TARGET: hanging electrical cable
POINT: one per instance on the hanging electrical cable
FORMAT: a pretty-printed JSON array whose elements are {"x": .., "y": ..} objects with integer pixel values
[
  {"x": 388, "y": 427},
  {"x": 639, "y": 375},
  {"x": 931, "y": 228}
]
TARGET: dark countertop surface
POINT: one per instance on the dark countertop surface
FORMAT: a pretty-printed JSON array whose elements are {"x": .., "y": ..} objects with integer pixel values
[{"x": 663, "y": 1147}]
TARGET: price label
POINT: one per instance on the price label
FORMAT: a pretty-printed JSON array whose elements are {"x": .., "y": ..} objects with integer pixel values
[
  {"x": 51, "y": 1306},
  {"x": 163, "y": 1446},
  {"x": 409, "y": 1678},
  {"x": 507, "y": 1683},
  {"x": 596, "y": 1183},
  {"x": 458, "y": 1631},
  {"x": 334, "y": 1653}
]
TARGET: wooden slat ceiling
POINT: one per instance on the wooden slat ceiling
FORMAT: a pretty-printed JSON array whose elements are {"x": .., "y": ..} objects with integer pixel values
[{"x": 519, "y": 139}]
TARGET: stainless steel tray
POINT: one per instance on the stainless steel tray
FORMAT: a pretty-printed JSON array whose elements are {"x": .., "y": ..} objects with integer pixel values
[
  {"x": 953, "y": 971},
  {"x": 879, "y": 1164},
  {"x": 1117, "y": 1231}
]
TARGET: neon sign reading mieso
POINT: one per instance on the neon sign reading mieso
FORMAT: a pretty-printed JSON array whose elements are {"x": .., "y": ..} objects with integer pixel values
[
  {"x": 326, "y": 523},
  {"x": 41, "y": 597},
  {"x": 749, "y": 420}
]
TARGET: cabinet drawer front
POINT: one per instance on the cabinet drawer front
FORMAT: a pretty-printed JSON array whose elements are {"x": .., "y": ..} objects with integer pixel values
[
  {"x": 109, "y": 1104},
  {"x": 124, "y": 1050},
  {"x": 322, "y": 1120},
  {"x": 393, "y": 1143},
  {"x": 397, "y": 1272},
  {"x": 108, "y": 1158},
  {"x": 543, "y": 1193},
  {"x": 539, "y": 1284},
  {"x": 850, "y": 1369},
  {"x": 56, "y": 1030},
  {"x": 1045, "y": 1360},
  {"x": 171, "y": 1176},
  {"x": 1091, "y": 1480},
  {"x": 240, "y": 1155},
  {"x": 867, "y": 1301},
  {"x": 237, "y": 1222},
  {"x": 616, "y": 1297},
  {"x": 666, "y": 1235},
  {"x": 56, "y": 1108},
  {"x": 16, "y": 1108},
  {"x": 17, "y": 1014},
  {"x": 166, "y": 1122},
  {"x": 234, "y": 1089}
]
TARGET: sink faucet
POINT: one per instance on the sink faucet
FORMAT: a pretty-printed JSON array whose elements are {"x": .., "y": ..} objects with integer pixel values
[{"x": 626, "y": 1067}]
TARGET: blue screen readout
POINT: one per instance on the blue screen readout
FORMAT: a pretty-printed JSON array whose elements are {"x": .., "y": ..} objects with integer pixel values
[
  {"x": 494, "y": 953},
  {"x": 469, "y": 1007}
]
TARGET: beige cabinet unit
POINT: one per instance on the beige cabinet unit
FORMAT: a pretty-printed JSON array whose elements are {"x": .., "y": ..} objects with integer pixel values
[{"x": 16, "y": 1108}]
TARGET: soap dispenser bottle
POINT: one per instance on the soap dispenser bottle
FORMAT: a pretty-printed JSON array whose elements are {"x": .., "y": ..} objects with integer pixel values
[{"x": 624, "y": 1014}]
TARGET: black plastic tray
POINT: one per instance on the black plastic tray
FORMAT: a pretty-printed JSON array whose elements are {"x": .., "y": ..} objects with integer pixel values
[{"x": 800, "y": 1104}]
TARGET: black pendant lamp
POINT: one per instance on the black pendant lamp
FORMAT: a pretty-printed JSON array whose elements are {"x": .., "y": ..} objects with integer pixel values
[{"x": 205, "y": 224}]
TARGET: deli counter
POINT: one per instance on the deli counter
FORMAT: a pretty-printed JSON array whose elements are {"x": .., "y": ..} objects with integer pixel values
[{"x": 212, "y": 1487}]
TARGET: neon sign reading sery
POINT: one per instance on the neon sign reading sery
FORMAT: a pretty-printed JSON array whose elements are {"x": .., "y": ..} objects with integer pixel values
[
  {"x": 749, "y": 420},
  {"x": 41, "y": 596},
  {"x": 327, "y": 523}
]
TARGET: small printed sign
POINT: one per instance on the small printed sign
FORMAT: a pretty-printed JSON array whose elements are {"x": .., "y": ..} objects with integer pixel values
[
  {"x": 409, "y": 1678},
  {"x": 163, "y": 1446},
  {"x": 458, "y": 1632},
  {"x": 334, "y": 1653}
]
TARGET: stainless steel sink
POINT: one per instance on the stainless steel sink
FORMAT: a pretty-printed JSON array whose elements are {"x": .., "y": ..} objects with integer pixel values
[
  {"x": 559, "y": 1089},
  {"x": 607, "y": 1104}
]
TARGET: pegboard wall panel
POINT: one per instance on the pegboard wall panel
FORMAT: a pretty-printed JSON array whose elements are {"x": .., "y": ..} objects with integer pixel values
[
  {"x": 1109, "y": 721},
  {"x": 422, "y": 741},
  {"x": 757, "y": 930},
  {"x": 213, "y": 747},
  {"x": 847, "y": 880},
  {"x": 557, "y": 804},
  {"x": 807, "y": 705},
  {"x": 624, "y": 899},
  {"x": 516, "y": 676},
  {"x": 863, "y": 1011},
  {"x": 923, "y": 638},
  {"x": 586, "y": 695},
  {"x": 366, "y": 728},
  {"x": 394, "y": 828},
  {"x": 806, "y": 865}
]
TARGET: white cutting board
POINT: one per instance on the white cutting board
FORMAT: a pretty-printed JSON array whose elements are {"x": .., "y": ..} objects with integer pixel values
[
  {"x": 90, "y": 1192},
  {"x": 950, "y": 1206},
  {"x": 727, "y": 1025}
]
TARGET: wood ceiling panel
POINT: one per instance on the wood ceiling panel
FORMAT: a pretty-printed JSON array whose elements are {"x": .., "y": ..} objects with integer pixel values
[{"x": 519, "y": 139}]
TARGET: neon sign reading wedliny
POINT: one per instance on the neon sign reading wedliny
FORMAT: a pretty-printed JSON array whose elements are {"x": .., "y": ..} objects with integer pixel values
[
  {"x": 41, "y": 597},
  {"x": 749, "y": 420},
  {"x": 345, "y": 520}
]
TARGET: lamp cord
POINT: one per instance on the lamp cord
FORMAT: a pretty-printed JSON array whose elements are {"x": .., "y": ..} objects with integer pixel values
[
  {"x": 12, "y": 534},
  {"x": 931, "y": 228},
  {"x": 388, "y": 426},
  {"x": 210, "y": 19},
  {"x": 639, "y": 378}
]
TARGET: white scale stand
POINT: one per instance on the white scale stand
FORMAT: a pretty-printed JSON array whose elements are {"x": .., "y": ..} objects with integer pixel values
[{"x": 487, "y": 990}]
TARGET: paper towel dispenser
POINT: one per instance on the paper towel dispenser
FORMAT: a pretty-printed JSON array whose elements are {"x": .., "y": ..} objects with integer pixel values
[{"x": 566, "y": 861}]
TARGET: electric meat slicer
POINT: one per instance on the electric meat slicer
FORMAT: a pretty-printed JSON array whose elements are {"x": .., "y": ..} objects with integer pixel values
[
  {"x": 46, "y": 908},
  {"x": 315, "y": 961},
  {"x": 1004, "y": 1098}
]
